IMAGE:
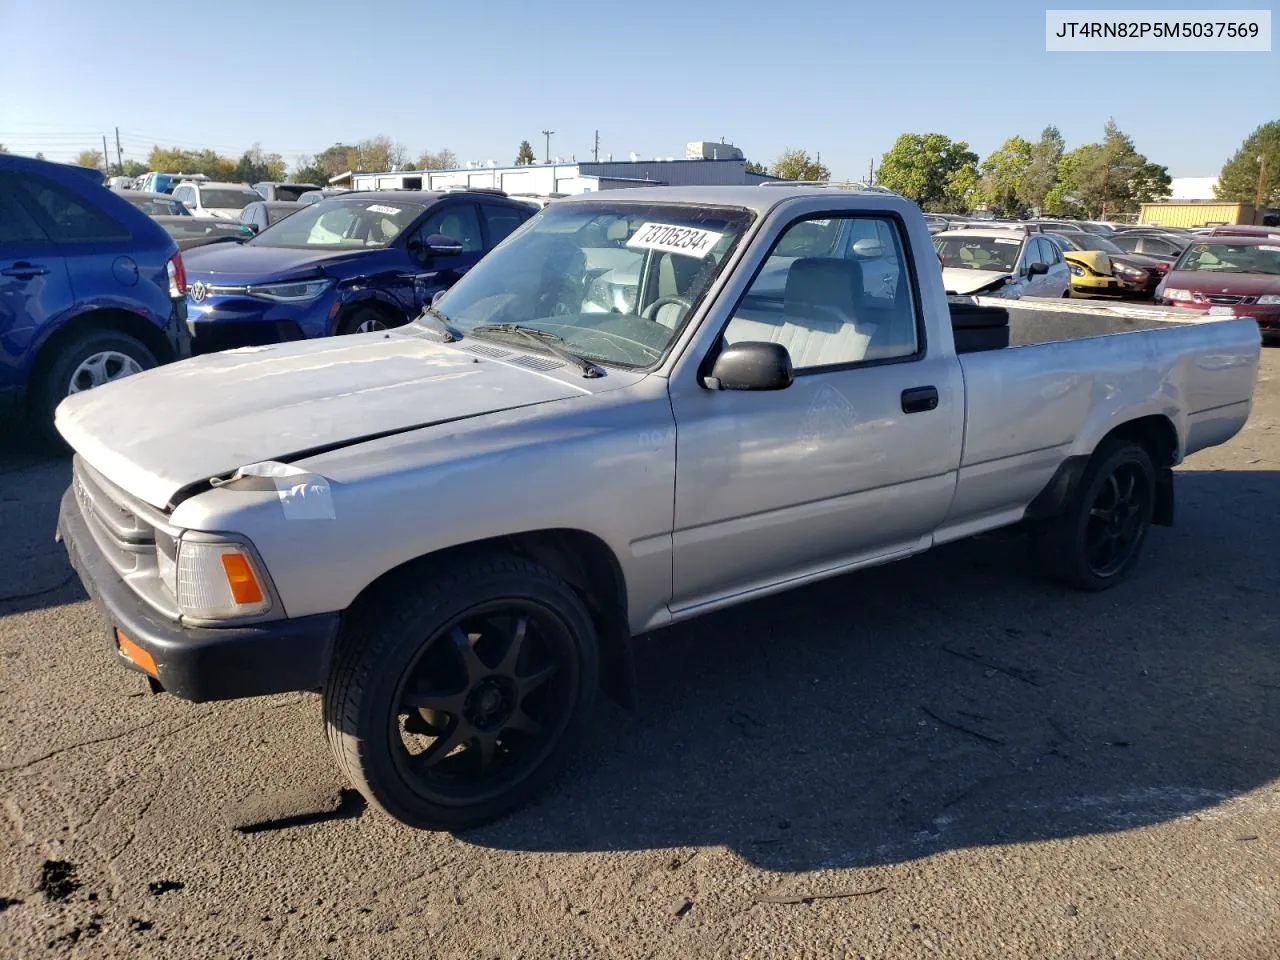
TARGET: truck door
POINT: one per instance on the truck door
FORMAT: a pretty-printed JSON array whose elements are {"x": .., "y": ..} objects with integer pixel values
[{"x": 856, "y": 459}]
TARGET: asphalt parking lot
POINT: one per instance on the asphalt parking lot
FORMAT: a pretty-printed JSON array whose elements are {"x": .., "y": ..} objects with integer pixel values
[{"x": 942, "y": 758}]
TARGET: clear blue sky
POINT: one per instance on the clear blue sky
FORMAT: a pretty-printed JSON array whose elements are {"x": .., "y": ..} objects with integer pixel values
[{"x": 478, "y": 76}]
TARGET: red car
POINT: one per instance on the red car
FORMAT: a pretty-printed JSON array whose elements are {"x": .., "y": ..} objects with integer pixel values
[{"x": 1236, "y": 272}]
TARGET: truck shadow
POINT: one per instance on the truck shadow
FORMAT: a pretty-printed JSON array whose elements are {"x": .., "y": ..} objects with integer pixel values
[
  {"x": 34, "y": 571},
  {"x": 950, "y": 701}
]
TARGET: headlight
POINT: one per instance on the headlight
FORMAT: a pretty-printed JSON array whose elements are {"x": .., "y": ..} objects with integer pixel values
[
  {"x": 1269, "y": 298},
  {"x": 294, "y": 292},
  {"x": 1076, "y": 271},
  {"x": 1172, "y": 293},
  {"x": 219, "y": 580},
  {"x": 1124, "y": 271}
]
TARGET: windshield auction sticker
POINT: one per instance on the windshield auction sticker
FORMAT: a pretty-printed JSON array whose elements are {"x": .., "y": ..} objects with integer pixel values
[
  {"x": 670, "y": 238},
  {"x": 1196, "y": 31},
  {"x": 382, "y": 208}
]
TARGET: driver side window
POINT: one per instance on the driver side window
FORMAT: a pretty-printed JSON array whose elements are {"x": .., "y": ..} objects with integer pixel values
[{"x": 458, "y": 221}]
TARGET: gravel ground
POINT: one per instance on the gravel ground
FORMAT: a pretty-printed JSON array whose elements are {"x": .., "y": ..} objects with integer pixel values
[{"x": 942, "y": 758}]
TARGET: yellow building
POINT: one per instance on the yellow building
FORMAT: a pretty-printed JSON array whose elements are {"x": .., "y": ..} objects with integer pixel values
[{"x": 1196, "y": 213}]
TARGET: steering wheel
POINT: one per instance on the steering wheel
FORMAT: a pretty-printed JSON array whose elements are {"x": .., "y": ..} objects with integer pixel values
[{"x": 651, "y": 311}]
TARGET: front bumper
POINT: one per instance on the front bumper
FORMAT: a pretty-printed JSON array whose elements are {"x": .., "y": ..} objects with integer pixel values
[
  {"x": 200, "y": 663},
  {"x": 229, "y": 321}
]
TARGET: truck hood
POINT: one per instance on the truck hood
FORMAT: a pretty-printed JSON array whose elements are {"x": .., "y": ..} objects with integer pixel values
[
  {"x": 248, "y": 262},
  {"x": 155, "y": 433},
  {"x": 963, "y": 281}
]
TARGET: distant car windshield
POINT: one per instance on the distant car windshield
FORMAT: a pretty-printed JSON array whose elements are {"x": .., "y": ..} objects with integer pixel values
[
  {"x": 978, "y": 253},
  {"x": 615, "y": 281},
  {"x": 1232, "y": 258},
  {"x": 201, "y": 227},
  {"x": 292, "y": 191},
  {"x": 157, "y": 206},
  {"x": 276, "y": 214},
  {"x": 1091, "y": 241},
  {"x": 355, "y": 222},
  {"x": 214, "y": 198}
]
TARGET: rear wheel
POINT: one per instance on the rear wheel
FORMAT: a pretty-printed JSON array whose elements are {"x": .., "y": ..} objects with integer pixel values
[
  {"x": 1097, "y": 539},
  {"x": 456, "y": 703},
  {"x": 87, "y": 360}
]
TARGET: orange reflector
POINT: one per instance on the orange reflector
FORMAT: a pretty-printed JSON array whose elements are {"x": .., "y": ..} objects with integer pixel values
[
  {"x": 136, "y": 654},
  {"x": 244, "y": 585}
]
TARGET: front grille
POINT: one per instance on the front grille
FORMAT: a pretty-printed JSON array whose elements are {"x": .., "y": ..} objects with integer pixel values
[
  {"x": 1225, "y": 299},
  {"x": 129, "y": 534}
]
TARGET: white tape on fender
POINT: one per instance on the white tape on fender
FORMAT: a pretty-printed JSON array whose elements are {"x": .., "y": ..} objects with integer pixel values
[
  {"x": 672, "y": 238},
  {"x": 303, "y": 495}
]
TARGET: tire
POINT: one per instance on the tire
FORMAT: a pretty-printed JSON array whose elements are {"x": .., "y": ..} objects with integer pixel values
[
  {"x": 74, "y": 363},
  {"x": 493, "y": 727},
  {"x": 1095, "y": 542},
  {"x": 366, "y": 320}
]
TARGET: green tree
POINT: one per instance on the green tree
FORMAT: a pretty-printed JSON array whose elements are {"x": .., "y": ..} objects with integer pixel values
[
  {"x": 337, "y": 159},
  {"x": 1042, "y": 174},
  {"x": 1238, "y": 181},
  {"x": 444, "y": 159},
  {"x": 255, "y": 165},
  {"x": 90, "y": 158},
  {"x": 132, "y": 168},
  {"x": 753, "y": 167},
  {"x": 1004, "y": 176},
  {"x": 307, "y": 171},
  {"x": 205, "y": 161},
  {"x": 524, "y": 156},
  {"x": 931, "y": 169},
  {"x": 796, "y": 164},
  {"x": 1107, "y": 179}
]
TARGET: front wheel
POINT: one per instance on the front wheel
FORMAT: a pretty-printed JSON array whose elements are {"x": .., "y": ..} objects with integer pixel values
[
  {"x": 87, "y": 360},
  {"x": 1097, "y": 539},
  {"x": 454, "y": 703}
]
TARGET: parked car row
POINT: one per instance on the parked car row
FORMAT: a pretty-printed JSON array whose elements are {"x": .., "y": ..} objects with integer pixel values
[
  {"x": 91, "y": 288},
  {"x": 94, "y": 282}
]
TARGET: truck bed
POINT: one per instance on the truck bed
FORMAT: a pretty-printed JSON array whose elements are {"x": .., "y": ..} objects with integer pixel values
[{"x": 1034, "y": 320}]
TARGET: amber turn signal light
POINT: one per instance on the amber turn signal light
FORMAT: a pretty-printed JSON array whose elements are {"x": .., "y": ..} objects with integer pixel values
[
  {"x": 135, "y": 654},
  {"x": 244, "y": 585}
]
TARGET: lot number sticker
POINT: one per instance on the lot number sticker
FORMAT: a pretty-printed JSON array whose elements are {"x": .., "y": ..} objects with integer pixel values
[
  {"x": 670, "y": 238},
  {"x": 380, "y": 208}
]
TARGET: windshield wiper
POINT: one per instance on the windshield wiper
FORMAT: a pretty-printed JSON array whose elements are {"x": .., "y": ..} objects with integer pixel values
[
  {"x": 545, "y": 339},
  {"x": 442, "y": 323}
]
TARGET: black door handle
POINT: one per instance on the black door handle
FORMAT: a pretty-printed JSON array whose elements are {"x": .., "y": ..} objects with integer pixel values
[
  {"x": 919, "y": 399},
  {"x": 24, "y": 270}
]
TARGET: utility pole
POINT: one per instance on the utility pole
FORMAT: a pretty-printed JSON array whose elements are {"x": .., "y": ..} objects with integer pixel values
[
  {"x": 119, "y": 153},
  {"x": 547, "y": 155},
  {"x": 871, "y": 172},
  {"x": 106, "y": 157},
  {"x": 595, "y": 154},
  {"x": 1257, "y": 201}
]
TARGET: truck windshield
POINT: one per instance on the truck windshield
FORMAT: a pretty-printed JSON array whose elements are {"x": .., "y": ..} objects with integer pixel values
[
  {"x": 1232, "y": 258},
  {"x": 616, "y": 281}
]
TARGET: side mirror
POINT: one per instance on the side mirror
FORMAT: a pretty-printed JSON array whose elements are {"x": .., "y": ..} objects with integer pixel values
[
  {"x": 752, "y": 366},
  {"x": 1037, "y": 269},
  {"x": 438, "y": 245}
]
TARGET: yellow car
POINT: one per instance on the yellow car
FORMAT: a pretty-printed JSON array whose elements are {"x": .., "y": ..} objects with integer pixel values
[{"x": 1095, "y": 270}]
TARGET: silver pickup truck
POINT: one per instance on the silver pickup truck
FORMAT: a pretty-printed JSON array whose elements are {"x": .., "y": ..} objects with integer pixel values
[{"x": 627, "y": 415}]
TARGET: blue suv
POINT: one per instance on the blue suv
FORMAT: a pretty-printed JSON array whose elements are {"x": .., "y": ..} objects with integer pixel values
[
  {"x": 349, "y": 264},
  {"x": 91, "y": 288}
]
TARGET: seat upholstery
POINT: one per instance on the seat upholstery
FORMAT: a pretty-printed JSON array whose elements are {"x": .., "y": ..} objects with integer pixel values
[{"x": 820, "y": 323}]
